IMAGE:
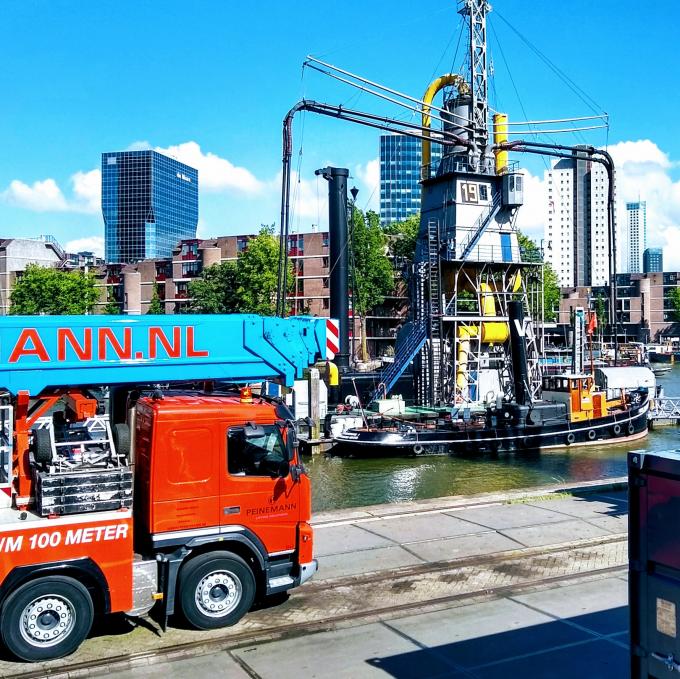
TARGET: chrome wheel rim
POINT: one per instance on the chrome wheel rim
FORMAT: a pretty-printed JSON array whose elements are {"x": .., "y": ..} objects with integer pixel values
[
  {"x": 47, "y": 621},
  {"x": 218, "y": 593}
]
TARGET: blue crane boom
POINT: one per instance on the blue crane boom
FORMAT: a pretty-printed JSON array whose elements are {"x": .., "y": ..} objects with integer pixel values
[{"x": 40, "y": 352}]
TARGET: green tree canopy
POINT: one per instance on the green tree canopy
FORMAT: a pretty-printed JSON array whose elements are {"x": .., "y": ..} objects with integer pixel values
[
  {"x": 215, "y": 291},
  {"x": 155, "y": 306},
  {"x": 674, "y": 297},
  {"x": 372, "y": 275},
  {"x": 42, "y": 290},
  {"x": 551, "y": 289},
  {"x": 248, "y": 285},
  {"x": 403, "y": 236}
]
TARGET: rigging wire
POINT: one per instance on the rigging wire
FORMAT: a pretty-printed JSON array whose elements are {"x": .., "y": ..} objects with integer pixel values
[
  {"x": 580, "y": 93},
  {"x": 417, "y": 109},
  {"x": 379, "y": 86},
  {"x": 512, "y": 80}
]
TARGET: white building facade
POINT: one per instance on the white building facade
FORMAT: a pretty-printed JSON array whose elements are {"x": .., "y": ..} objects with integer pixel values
[{"x": 576, "y": 228}]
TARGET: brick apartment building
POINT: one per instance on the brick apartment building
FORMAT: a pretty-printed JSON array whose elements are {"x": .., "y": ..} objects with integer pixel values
[
  {"x": 131, "y": 286},
  {"x": 645, "y": 308}
]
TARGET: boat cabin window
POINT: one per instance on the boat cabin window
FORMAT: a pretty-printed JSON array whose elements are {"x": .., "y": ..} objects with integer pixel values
[{"x": 556, "y": 384}]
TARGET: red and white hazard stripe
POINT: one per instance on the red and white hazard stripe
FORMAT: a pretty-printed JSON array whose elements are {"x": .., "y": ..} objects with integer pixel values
[{"x": 332, "y": 338}]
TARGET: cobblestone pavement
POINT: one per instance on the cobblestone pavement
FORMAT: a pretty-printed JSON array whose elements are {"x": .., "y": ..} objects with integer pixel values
[{"x": 381, "y": 567}]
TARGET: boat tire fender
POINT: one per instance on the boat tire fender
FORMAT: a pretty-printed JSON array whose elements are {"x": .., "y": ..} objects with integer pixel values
[
  {"x": 418, "y": 449},
  {"x": 617, "y": 429},
  {"x": 631, "y": 428},
  {"x": 571, "y": 438},
  {"x": 592, "y": 434},
  {"x": 526, "y": 442}
]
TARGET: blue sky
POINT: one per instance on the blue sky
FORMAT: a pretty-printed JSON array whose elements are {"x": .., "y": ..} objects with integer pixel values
[{"x": 211, "y": 81}]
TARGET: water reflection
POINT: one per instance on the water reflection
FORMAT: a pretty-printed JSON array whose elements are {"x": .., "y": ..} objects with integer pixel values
[{"x": 338, "y": 482}]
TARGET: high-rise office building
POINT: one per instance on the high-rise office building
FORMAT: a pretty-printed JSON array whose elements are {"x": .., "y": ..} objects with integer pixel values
[
  {"x": 652, "y": 260},
  {"x": 149, "y": 202},
  {"x": 400, "y": 159},
  {"x": 636, "y": 241},
  {"x": 576, "y": 231}
]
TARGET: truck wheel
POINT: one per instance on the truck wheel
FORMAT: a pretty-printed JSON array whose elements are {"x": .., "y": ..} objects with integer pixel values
[
  {"x": 121, "y": 439},
  {"x": 46, "y": 618},
  {"x": 42, "y": 446},
  {"x": 216, "y": 590}
]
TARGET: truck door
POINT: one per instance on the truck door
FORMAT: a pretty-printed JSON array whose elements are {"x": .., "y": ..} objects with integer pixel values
[{"x": 253, "y": 492}]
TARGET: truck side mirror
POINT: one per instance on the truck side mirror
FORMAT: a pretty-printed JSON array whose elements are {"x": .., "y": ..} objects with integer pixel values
[
  {"x": 291, "y": 440},
  {"x": 284, "y": 469}
]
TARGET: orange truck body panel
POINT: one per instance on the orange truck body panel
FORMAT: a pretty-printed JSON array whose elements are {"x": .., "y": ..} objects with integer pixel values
[{"x": 105, "y": 538}]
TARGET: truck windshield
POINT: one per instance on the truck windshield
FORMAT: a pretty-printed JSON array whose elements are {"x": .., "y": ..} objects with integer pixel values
[{"x": 255, "y": 455}]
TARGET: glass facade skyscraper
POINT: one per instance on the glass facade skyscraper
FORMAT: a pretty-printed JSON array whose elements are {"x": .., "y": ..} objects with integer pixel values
[
  {"x": 400, "y": 158},
  {"x": 652, "y": 260},
  {"x": 149, "y": 202}
]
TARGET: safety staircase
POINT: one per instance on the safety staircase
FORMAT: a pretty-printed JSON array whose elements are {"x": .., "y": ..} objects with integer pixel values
[
  {"x": 479, "y": 227},
  {"x": 406, "y": 353}
]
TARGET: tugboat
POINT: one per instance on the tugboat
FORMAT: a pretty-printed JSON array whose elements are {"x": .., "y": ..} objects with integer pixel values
[{"x": 571, "y": 412}]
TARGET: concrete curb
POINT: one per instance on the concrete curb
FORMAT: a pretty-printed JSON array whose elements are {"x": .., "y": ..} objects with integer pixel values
[{"x": 459, "y": 501}]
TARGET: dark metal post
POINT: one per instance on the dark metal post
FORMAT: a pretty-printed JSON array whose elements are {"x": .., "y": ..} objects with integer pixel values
[
  {"x": 518, "y": 353},
  {"x": 337, "y": 227}
]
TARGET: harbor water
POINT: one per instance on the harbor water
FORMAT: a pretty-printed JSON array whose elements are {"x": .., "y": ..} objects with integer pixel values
[{"x": 339, "y": 482}]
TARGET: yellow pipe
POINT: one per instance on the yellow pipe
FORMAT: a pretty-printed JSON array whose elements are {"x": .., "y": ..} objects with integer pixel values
[
  {"x": 500, "y": 131},
  {"x": 434, "y": 87}
]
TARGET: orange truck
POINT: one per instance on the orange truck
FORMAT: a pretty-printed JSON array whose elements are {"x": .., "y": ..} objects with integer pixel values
[{"x": 134, "y": 475}]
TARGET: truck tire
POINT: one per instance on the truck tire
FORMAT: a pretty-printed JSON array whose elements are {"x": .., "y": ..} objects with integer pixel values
[
  {"x": 121, "y": 439},
  {"x": 42, "y": 446},
  {"x": 46, "y": 618},
  {"x": 216, "y": 590}
]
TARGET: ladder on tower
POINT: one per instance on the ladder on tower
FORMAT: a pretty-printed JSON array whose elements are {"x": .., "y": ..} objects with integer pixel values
[{"x": 433, "y": 364}]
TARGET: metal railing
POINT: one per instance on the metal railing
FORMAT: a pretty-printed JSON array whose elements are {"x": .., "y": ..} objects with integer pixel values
[{"x": 665, "y": 408}]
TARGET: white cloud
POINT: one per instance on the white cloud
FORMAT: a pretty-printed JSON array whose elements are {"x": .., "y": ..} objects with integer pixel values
[
  {"x": 214, "y": 173},
  {"x": 45, "y": 195},
  {"x": 41, "y": 196},
  {"x": 369, "y": 175},
  {"x": 531, "y": 216},
  {"x": 87, "y": 191},
  {"x": 139, "y": 146},
  {"x": 643, "y": 172},
  {"x": 91, "y": 244}
]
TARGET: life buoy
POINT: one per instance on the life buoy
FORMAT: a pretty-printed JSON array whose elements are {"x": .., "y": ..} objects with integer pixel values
[
  {"x": 617, "y": 429},
  {"x": 631, "y": 428},
  {"x": 571, "y": 438},
  {"x": 418, "y": 448},
  {"x": 592, "y": 434}
]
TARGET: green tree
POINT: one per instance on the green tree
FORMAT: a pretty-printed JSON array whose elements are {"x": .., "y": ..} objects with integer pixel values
[
  {"x": 600, "y": 312},
  {"x": 156, "y": 306},
  {"x": 674, "y": 297},
  {"x": 42, "y": 290},
  {"x": 551, "y": 289},
  {"x": 112, "y": 307},
  {"x": 258, "y": 267},
  {"x": 372, "y": 274},
  {"x": 248, "y": 285},
  {"x": 403, "y": 237},
  {"x": 215, "y": 291}
]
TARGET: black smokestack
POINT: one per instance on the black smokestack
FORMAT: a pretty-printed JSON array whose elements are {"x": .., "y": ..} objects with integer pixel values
[
  {"x": 339, "y": 256},
  {"x": 518, "y": 353}
]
